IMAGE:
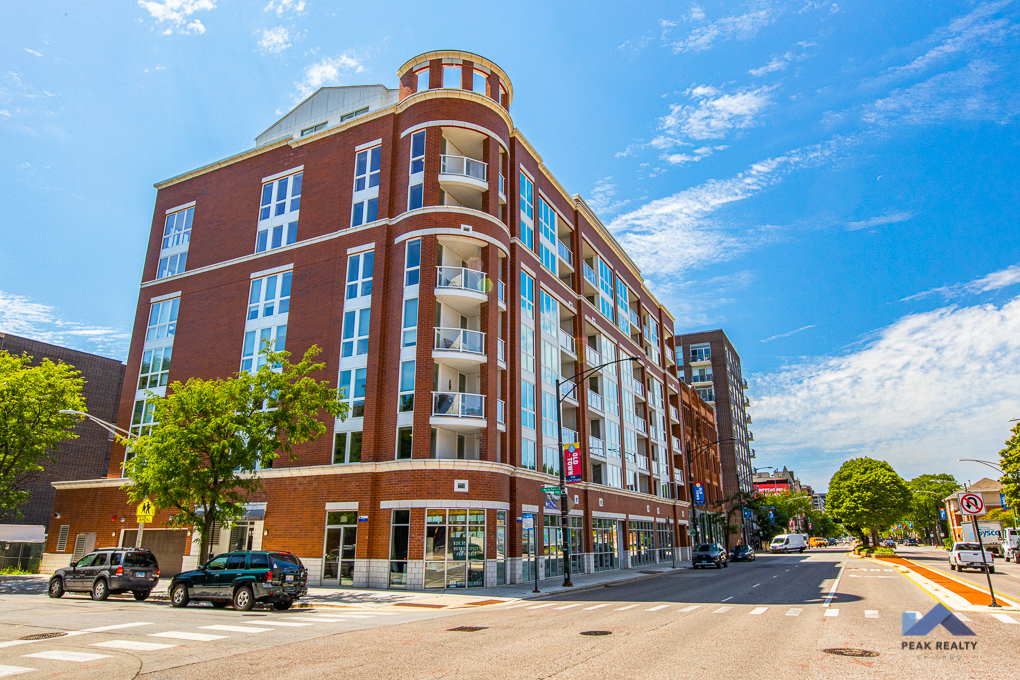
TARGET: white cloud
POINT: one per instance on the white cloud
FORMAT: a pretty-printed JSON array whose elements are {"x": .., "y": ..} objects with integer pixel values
[
  {"x": 602, "y": 196},
  {"x": 275, "y": 40},
  {"x": 177, "y": 12},
  {"x": 1010, "y": 276},
  {"x": 38, "y": 54},
  {"x": 712, "y": 116},
  {"x": 329, "y": 71},
  {"x": 780, "y": 62},
  {"x": 692, "y": 157},
  {"x": 788, "y": 334},
  {"x": 697, "y": 303},
  {"x": 295, "y": 6},
  {"x": 926, "y": 390},
  {"x": 737, "y": 26},
  {"x": 20, "y": 315},
  {"x": 888, "y": 218}
]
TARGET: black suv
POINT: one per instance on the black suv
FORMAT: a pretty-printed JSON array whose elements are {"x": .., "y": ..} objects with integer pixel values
[
  {"x": 109, "y": 571},
  {"x": 742, "y": 553},
  {"x": 710, "y": 554},
  {"x": 244, "y": 578}
]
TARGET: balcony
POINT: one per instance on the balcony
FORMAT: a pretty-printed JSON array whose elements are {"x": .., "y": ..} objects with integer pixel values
[
  {"x": 635, "y": 320},
  {"x": 589, "y": 275},
  {"x": 502, "y": 187},
  {"x": 501, "y": 293},
  {"x": 595, "y": 401},
  {"x": 463, "y": 171},
  {"x": 461, "y": 288},
  {"x": 569, "y": 392},
  {"x": 564, "y": 252},
  {"x": 674, "y": 414},
  {"x": 570, "y": 437},
  {"x": 747, "y": 402},
  {"x": 500, "y": 412},
  {"x": 501, "y": 351},
  {"x": 568, "y": 344},
  {"x": 750, "y": 436},
  {"x": 744, "y": 385},
  {"x": 676, "y": 445},
  {"x": 642, "y": 463},
  {"x": 596, "y": 447},
  {"x": 459, "y": 348},
  {"x": 678, "y": 475},
  {"x": 639, "y": 389},
  {"x": 591, "y": 356},
  {"x": 640, "y": 425},
  {"x": 669, "y": 354},
  {"x": 701, "y": 379},
  {"x": 458, "y": 411}
]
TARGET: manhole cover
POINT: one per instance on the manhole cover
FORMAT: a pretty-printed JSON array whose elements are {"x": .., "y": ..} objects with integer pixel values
[
  {"x": 467, "y": 629},
  {"x": 43, "y": 636},
  {"x": 596, "y": 633},
  {"x": 847, "y": 651}
]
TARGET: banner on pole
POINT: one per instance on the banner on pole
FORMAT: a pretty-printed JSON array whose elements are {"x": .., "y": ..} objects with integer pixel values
[
  {"x": 699, "y": 494},
  {"x": 572, "y": 454}
]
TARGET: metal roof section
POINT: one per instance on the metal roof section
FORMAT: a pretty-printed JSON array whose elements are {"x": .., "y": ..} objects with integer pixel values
[{"x": 328, "y": 106}]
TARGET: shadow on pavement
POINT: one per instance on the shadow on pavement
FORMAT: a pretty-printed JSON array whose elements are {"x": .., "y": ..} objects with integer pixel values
[{"x": 23, "y": 585}]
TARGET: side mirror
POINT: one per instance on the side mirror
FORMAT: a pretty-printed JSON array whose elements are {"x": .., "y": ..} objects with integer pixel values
[{"x": 74, "y": 563}]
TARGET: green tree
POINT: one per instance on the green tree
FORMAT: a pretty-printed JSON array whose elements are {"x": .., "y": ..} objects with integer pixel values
[
  {"x": 1007, "y": 517},
  {"x": 31, "y": 425},
  {"x": 866, "y": 495},
  {"x": 1011, "y": 468},
  {"x": 775, "y": 510},
  {"x": 212, "y": 436},
  {"x": 929, "y": 492}
]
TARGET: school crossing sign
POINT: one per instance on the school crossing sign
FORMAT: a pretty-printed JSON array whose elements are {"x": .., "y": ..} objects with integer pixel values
[{"x": 145, "y": 512}]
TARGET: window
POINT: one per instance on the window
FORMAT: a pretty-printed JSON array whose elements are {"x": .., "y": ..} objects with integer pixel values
[
  {"x": 527, "y": 349},
  {"x": 614, "y": 477},
  {"x": 623, "y": 300},
  {"x": 410, "y": 336},
  {"x": 706, "y": 393},
  {"x": 266, "y": 320},
  {"x": 701, "y": 352},
  {"x": 269, "y": 296},
  {"x": 527, "y": 404},
  {"x": 416, "y": 184},
  {"x": 403, "y": 443},
  {"x": 528, "y": 454},
  {"x": 352, "y": 386},
  {"x": 611, "y": 398},
  {"x": 412, "y": 264},
  {"x": 547, "y": 232},
  {"x": 422, "y": 80},
  {"x": 354, "y": 114},
  {"x": 550, "y": 461},
  {"x": 162, "y": 319},
  {"x": 359, "y": 275},
  {"x": 356, "y": 329},
  {"x": 451, "y": 77},
  {"x": 605, "y": 290},
  {"x": 630, "y": 443},
  {"x": 346, "y": 448},
  {"x": 527, "y": 212},
  {"x": 400, "y": 534},
  {"x": 177, "y": 229},
  {"x": 364, "y": 212},
  {"x": 155, "y": 368},
  {"x": 612, "y": 439},
  {"x": 141, "y": 417},
  {"x": 255, "y": 340},
  {"x": 278, "y": 213},
  {"x": 550, "y": 363},
  {"x": 478, "y": 81},
  {"x": 171, "y": 265},
  {"x": 366, "y": 186},
  {"x": 549, "y": 415},
  {"x": 406, "y": 400},
  {"x": 418, "y": 152},
  {"x": 314, "y": 128},
  {"x": 527, "y": 295},
  {"x": 550, "y": 311}
]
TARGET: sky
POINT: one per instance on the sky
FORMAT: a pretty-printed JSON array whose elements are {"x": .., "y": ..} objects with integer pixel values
[{"x": 833, "y": 184}]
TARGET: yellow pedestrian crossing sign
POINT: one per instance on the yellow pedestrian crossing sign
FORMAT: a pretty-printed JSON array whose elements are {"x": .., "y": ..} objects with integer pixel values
[{"x": 146, "y": 511}]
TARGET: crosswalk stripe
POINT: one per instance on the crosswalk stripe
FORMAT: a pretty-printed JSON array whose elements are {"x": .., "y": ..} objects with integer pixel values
[
  {"x": 571, "y": 606},
  {"x": 132, "y": 645},
  {"x": 832, "y": 612},
  {"x": 318, "y": 619},
  {"x": 237, "y": 629},
  {"x": 758, "y": 611},
  {"x": 870, "y": 614},
  {"x": 13, "y": 670},
  {"x": 59, "y": 655},
  {"x": 1005, "y": 618},
  {"x": 116, "y": 627},
  {"x": 655, "y": 609},
  {"x": 961, "y": 617},
  {"x": 287, "y": 624},
  {"x": 629, "y": 606},
  {"x": 794, "y": 612},
  {"x": 185, "y": 635},
  {"x": 691, "y": 608},
  {"x": 598, "y": 606},
  {"x": 539, "y": 606},
  {"x": 722, "y": 610}
]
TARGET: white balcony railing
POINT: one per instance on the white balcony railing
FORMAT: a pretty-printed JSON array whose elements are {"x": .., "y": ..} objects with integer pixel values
[
  {"x": 593, "y": 357},
  {"x": 462, "y": 278},
  {"x": 501, "y": 412},
  {"x": 676, "y": 445},
  {"x": 502, "y": 184},
  {"x": 596, "y": 447},
  {"x": 460, "y": 340},
  {"x": 589, "y": 275},
  {"x": 669, "y": 354},
  {"x": 458, "y": 405},
  {"x": 567, "y": 342},
  {"x": 678, "y": 475},
  {"x": 501, "y": 350},
  {"x": 635, "y": 320},
  {"x": 564, "y": 252},
  {"x": 674, "y": 414},
  {"x": 639, "y": 389},
  {"x": 570, "y": 436},
  {"x": 569, "y": 391},
  {"x": 595, "y": 400},
  {"x": 462, "y": 165},
  {"x": 640, "y": 425},
  {"x": 642, "y": 463},
  {"x": 701, "y": 378}
]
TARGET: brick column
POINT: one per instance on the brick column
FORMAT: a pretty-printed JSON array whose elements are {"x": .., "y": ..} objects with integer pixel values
[
  {"x": 435, "y": 74},
  {"x": 467, "y": 75},
  {"x": 426, "y": 337},
  {"x": 408, "y": 85}
]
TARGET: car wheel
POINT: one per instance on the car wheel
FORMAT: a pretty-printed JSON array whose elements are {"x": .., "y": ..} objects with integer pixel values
[
  {"x": 56, "y": 588},
  {"x": 952, "y": 567},
  {"x": 219, "y": 604},
  {"x": 100, "y": 590},
  {"x": 726, "y": 564},
  {"x": 179, "y": 596},
  {"x": 991, "y": 570},
  {"x": 282, "y": 605},
  {"x": 718, "y": 565},
  {"x": 141, "y": 595},
  {"x": 244, "y": 599}
]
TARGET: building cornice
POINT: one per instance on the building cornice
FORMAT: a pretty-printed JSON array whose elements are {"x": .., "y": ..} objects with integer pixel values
[
  {"x": 450, "y": 93},
  {"x": 465, "y": 56}
]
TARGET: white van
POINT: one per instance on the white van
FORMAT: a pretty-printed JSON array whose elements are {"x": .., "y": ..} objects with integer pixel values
[{"x": 787, "y": 543}]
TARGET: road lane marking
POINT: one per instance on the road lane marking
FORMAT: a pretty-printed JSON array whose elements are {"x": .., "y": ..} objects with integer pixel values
[
  {"x": 598, "y": 606},
  {"x": 184, "y": 635},
  {"x": 758, "y": 611},
  {"x": 116, "y": 627},
  {"x": 571, "y": 606},
  {"x": 776, "y": 576},
  {"x": 655, "y": 609},
  {"x": 13, "y": 670},
  {"x": 756, "y": 585},
  {"x": 961, "y": 617},
  {"x": 539, "y": 606},
  {"x": 727, "y": 599},
  {"x": 319, "y": 619},
  {"x": 132, "y": 645},
  {"x": 629, "y": 606},
  {"x": 77, "y": 657},
  {"x": 691, "y": 608},
  {"x": 236, "y": 629},
  {"x": 835, "y": 584},
  {"x": 794, "y": 612},
  {"x": 722, "y": 610},
  {"x": 832, "y": 612},
  {"x": 870, "y": 614},
  {"x": 1005, "y": 618},
  {"x": 288, "y": 624}
]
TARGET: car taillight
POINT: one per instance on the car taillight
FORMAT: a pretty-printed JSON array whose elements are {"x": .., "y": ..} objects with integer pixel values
[
  {"x": 269, "y": 576},
  {"x": 120, "y": 571},
  {"x": 157, "y": 572}
]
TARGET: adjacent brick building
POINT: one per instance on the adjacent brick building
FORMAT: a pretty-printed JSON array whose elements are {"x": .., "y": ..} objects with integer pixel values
[{"x": 418, "y": 239}]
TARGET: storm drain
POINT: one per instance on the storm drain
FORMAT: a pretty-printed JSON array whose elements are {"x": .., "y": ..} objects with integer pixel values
[
  {"x": 467, "y": 629},
  {"x": 596, "y": 633},
  {"x": 43, "y": 636},
  {"x": 849, "y": 651}
]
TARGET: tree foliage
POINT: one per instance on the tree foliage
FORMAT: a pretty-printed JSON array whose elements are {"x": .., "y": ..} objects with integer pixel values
[
  {"x": 775, "y": 510},
  {"x": 866, "y": 495},
  {"x": 929, "y": 492},
  {"x": 212, "y": 436},
  {"x": 1010, "y": 456},
  {"x": 31, "y": 425}
]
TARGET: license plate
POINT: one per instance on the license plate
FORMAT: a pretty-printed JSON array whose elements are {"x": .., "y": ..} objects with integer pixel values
[
  {"x": 290, "y": 577},
  {"x": 140, "y": 574}
]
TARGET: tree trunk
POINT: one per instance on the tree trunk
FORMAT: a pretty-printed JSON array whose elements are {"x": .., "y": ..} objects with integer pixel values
[
  {"x": 207, "y": 522},
  {"x": 874, "y": 536}
]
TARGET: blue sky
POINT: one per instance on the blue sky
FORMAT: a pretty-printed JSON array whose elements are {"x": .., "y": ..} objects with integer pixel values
[{"x": 834, "y": 184}]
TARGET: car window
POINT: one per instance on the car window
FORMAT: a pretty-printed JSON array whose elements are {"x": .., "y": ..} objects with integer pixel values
[
  {"x": 285, "y": 561},
  {"x": 704, "y": 547},
  {"x": 217, "y": 563},
  {"x": 115, "y": 559},
  {"x": 139, "y": 559},
  {"x": 236, "y": 561},
  {"x": 85, "y": 561},
  {"x": 258, "y": 561},
  {"x": 100, "y": 560},
  {"x": 967, "y": 546}
]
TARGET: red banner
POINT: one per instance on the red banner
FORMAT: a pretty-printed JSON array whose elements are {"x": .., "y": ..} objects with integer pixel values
[{"x": 572, "y": 454}]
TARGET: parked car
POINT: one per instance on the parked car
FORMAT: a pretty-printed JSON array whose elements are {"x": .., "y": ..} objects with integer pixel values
[
  {"x": 817, "y": 542},
  {"x": 243, "y": 578},
  {"x": 710, "y": 554},
  {"x": 832, "y": 541},
  {"x": 742, "y": 553},
  {"x": 787, "y": 543},
  {"x": 968, "y": 556},
  {"x": 109, "y": 571},
  {"x": 911, "y": 542}
]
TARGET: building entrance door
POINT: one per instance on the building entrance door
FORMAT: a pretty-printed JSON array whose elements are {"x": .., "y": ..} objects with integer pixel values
[{"x": 340, "y": 548}]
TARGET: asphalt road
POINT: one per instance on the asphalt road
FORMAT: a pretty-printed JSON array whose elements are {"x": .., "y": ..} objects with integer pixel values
[{"x": 763, "y": 619}]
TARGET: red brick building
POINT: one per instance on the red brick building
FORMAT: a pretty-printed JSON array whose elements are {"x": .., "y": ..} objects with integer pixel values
[{"x": 450, "y": 280}]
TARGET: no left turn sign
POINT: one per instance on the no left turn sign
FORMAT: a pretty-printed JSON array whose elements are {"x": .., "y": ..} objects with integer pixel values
[{"x": 972, "y": 504}]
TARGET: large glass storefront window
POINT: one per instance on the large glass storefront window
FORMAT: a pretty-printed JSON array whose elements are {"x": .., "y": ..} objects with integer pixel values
[
  {"x": 576, "y": 545},
  {"x": 454, "y": 548},
  {"x": 664, "y": 534},
  {"x": 400, "y": 533},
  {"x": 642, "y": 543},
  {"x": 501, "y": 547},
  {"x": 604, "y": 543},
  {"x": 341, "y": 541},
  {"x": 552, "y": 548}
]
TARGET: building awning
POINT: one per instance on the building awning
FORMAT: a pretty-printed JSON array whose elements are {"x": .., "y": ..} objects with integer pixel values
[{"x": 23, "y": 533}]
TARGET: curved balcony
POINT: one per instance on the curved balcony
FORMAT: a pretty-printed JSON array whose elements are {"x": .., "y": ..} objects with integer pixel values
[
  {"x": 458, "y": 411},
  {"x": 459, "y": 348},
  {"x": 461, "y": 288},
  {"x": 464, "y": 172}
]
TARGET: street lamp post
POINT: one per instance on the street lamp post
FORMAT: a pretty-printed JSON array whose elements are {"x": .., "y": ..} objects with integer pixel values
[
  {"x": 690, "y": 480},
  {"x": 994, "y": 467},
  {"x": 564, "y": 512},
  {"x": 109, "y": 427},
  {"x": 977, "y": 531}
]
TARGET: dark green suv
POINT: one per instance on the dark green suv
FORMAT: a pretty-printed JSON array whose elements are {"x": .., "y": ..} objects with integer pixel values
[{"x": 244, "y": 578}]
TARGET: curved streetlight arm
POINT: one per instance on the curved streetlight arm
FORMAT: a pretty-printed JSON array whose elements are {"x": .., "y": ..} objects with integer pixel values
[
  {"x": 109, "y": 427},
  {"x": 579, "y": 378},
  {"x": 983, "y": 462}
]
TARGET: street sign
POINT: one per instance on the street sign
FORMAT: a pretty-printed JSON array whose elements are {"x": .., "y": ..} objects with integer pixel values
[
  {"x": 145, "y": 512},
  {"x": 550, "y": 489},
  {"x": 527, "y": 521},
  {"x": 572, "y": 454},
  {"x": 972, "y": 504}
]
